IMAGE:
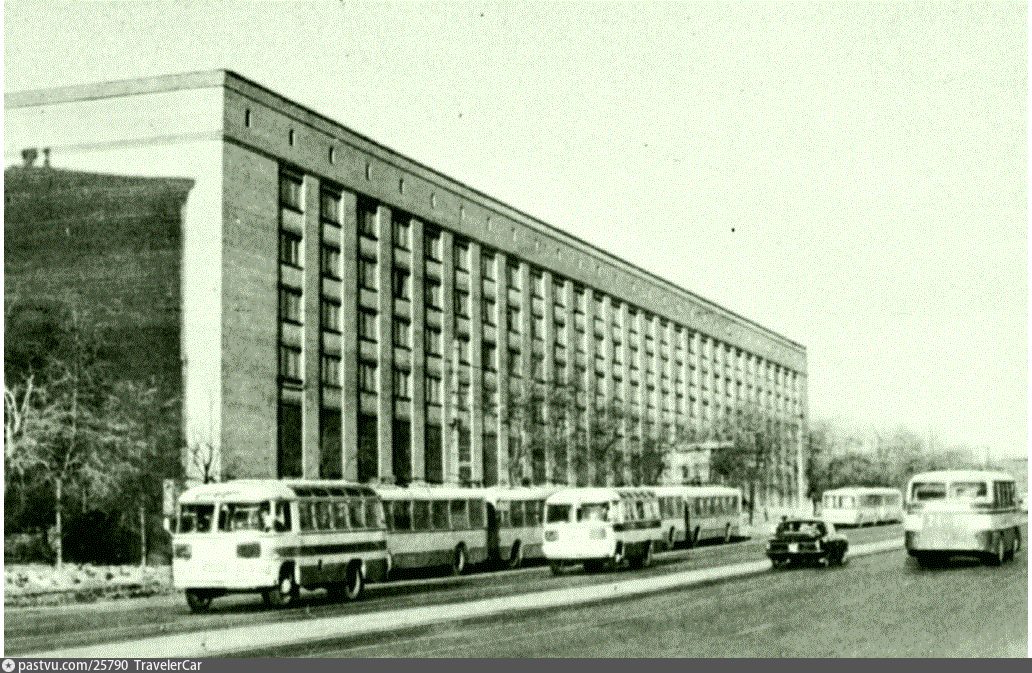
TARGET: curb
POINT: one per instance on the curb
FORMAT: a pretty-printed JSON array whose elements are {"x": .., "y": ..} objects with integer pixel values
[{"x": 241, "y": 639}]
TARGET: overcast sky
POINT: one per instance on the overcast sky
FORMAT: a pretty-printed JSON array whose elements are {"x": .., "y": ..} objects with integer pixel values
[{"x": 851, "y": 176}]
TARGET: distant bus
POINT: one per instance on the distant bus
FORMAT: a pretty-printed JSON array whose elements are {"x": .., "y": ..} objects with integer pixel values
[
  {"x": 693, "y": 513},
  {"x": 275, "y": 537},
  {"x": 432, "y": 526},
  {"x": 862, "y": 505},
  {"x": 514, "y": 523},
  {"x": 600, "y": 526},
  {"x": 962, "y": 512}
]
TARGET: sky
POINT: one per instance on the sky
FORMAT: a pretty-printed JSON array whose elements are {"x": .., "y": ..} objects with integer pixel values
[{"x": 852, "y": 176}]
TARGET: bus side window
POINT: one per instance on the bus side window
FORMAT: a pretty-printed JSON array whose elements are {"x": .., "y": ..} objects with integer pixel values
[
  {"x": 401, "y": 514},
  {"x": 516, "y": 514},
  {"x": 355, "y": 514},
  {"x": 340, "y": 514},
  {"x": 282, "y": 524},
  {"x": 305, "y": 510},
  {"x": 639, "y": 506},
  {"x": 502, "y": 511},
  {"x": 439, "y": 509},
  {"x": 322, "y": 515},
  {"x": 372, "y": 513},
  {"x": 420, "y": 515},
  {"x": 459, "y": 516},
  {"x": 476, "y": 514},
  {"x": 533, "y": 513}
]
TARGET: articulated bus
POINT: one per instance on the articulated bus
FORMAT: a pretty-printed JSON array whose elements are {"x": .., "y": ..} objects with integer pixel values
[
  {"x": 514, "y": 523},
  {"x": 862, "y": 505},
  {"x": 431, "y": 526},
  {"x": 693, "y": 513},
  {"x": 274, "y": 537},
  {"x": 601, "y": 526},
  {"x": 963, "y": 512}
]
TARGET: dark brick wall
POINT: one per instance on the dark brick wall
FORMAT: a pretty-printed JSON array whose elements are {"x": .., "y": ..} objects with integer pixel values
[{"x": 112, "y": 245}]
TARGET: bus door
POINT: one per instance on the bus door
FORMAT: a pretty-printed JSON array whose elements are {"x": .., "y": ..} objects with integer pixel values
[{"x": 492, "y": 531}]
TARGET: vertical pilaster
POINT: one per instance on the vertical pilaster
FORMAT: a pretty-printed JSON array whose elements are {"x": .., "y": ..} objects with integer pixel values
[
  {"x": 595, "y": 472},
  {"x": 502, "y": 321},
  {"x": 418, "y": 351},
  {"x": 311, "y": 331},
  {"x": 527, "y": 359},
  {"x": 476, "y": 359},
  {"x": 625, "y": 393},
  {"x": 385, "y": 347},
  {"x": 449, "y": 370},
  {"x": 548, "y": 320},
  {"x": 349, "y": 337}
]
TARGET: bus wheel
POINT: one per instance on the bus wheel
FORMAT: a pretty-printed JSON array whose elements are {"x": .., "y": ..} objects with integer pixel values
[
  {"x": 199, "y": 601},
  {"x": 671, "y": 538},
  {"x": 644, "y": 560},
  {"x": 1000, "y": 554},
  {"x": 515, "y": 555},
  {"x": 727, "y": 533},
  {"x": 458, "y": 565},
  {"x": 354, "y": 583},
  {"x": 556, "y": 567},
  {"x": 285, "y": 593}
]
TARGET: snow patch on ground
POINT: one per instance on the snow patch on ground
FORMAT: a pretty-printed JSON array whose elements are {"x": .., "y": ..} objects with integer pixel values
[{"x": 37, "y": 584}]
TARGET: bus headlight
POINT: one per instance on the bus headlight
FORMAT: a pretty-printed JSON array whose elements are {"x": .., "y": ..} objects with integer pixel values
[
  {"x": 597, "y": 533},
  {"x": 249, "y": 550},
  {"x": 182, "y": 551}
]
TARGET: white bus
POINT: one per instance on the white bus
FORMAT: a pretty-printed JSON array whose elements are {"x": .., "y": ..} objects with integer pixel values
[
  {"x": 514, "y": 523},
  {"x": 715, "y": 512},
  {"x": 596, "y": 526},
  {"x": 432, "y": 526},
  {"x": 274, "y": 537},
  {"x": 862, "y": 505},
  {"x": 962, "y": 512}
]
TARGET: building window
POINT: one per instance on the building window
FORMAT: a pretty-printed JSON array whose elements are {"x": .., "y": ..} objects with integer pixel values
[
  {"x": 329, "y": 206},
  {"x": 432, "y": 290},
  {"x": 402, "y": 284},
  {"x": 462, "y": 345},
  {"x": 515, "y": 363},
  {"x": 488, "y": 308},
  {"x": 402, "y": 333},
  {"x": 331, "y": 261},
  {"x": 330, "y": 315},
  {"x": 290, "y": 248},
  {"x": 289, "y": 439},
  {"x": 538, "y": 327},
  {"x": 462, "y": 256},
  {"x": 462, "y": 303},
  {"x": 367, "y": 271},
  {"x": 402, "y": 224},
  {"x": 433, "y": 389},
  {"x": 367, "y": 378},
  {"x": 538, "y": 283},
  {"x": 402, "y": 384},
  {"x": 513, "y": 313},
  {"x": 512, "y": 273},
  {"x": 290, "y": 363},
  {"x": 538, "y": 368},
  {"x": 433, "y": 242},
  {"x": 290, "y": 305},
  {"x": 433, "y": 342},
  {"x": 291, "y": 191},
  {"x": 331, "y": 370},
  {"x": 490, "y": 357},
  {"x": 368, "y": 223},
  {"x": 367, "y": 328},
  {"x": 488, "y": 266}
]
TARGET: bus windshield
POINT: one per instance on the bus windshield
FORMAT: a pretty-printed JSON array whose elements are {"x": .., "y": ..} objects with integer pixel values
[
  {"x": 195, "y": 518},
  {"x": 967, "y": 490},
  {"x": 929, "y": 491},
  {"x": 593, "y": 512},
  {"x": 244, "y": 516},
  {"x": 558, "y": 513}
]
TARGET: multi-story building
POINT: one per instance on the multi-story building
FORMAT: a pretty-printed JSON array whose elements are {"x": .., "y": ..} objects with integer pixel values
[{"x": 346, "y": 311}]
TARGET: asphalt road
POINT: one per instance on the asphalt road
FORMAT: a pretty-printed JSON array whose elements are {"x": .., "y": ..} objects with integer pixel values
[
  {"x": 41, "y": 629},
  {"x": 881, "y": 605}
]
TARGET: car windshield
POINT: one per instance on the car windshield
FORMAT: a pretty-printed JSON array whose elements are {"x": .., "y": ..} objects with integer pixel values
[
  {"x": 593, "y": 512},
  {"x": 801, "y": 527},
  {"x": 558, "y": 513}
]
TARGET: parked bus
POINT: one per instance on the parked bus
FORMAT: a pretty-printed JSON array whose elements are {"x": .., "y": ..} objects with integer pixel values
[
  {"x": 715, "y": 512},
  {"x": 862, "y": 505},
  {"x": 431, "y": 526},
  {"x": 600, "y": 526},
  {"x": 275, "y": 537},
  {"x": 674, "y": 513},
  {"x": 962, "y": 512},
  {"x": 514, "y": 523}
]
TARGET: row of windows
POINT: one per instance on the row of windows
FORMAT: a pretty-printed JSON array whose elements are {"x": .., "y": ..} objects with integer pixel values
[
  {"x": 341, "y": 515},
  {"x": 423, "y": 515}
]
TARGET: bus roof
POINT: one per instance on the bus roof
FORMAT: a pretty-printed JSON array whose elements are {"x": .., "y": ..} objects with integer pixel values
[
  {"x": 862, "y": 490},
  {"x": 599, "y": 494},
  {"x": 257, "y": 490},
  {"x": 496, "y": 493},
  {"x": 427, "y": 492},
  {"x": 962, "y": 475},
  {"x": 695, "y": 491}
]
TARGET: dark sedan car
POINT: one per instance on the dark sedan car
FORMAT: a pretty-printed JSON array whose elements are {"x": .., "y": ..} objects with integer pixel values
[{"x": 806, "y": 539}]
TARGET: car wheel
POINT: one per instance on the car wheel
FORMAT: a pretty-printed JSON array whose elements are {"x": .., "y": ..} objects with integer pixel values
[
  {"x": 999, "y": 553},
  {"x": 199, "y": 601},
  {"x": 283, "y": 594},
  {"x": 458, "y": 565}
]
